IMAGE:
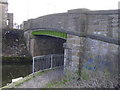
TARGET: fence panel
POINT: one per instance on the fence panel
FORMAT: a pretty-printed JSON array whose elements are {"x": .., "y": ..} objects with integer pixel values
[
  {"x": 47, "y": 62},
  {"x": 58, "y": 60}
]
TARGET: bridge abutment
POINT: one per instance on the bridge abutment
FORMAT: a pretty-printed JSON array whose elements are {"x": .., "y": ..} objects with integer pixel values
[{"x": 74, "y": 48}]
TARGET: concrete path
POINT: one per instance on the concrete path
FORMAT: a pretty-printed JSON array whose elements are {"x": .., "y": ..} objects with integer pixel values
[{"x": 43, "y": 79}]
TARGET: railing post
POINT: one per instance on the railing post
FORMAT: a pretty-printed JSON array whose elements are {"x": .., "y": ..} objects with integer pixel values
[
  {"x": 33, "y": 68},
  {"x": 51, "y": 61}
]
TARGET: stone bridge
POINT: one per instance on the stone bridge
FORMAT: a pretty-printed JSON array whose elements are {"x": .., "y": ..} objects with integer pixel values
[{"x": 91, "y": 40}]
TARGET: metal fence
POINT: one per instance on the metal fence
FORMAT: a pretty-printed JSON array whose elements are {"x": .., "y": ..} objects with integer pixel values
[{"x": 47, "y": 62}]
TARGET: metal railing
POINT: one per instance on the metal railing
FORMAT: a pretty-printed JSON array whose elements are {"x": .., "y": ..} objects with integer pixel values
[{"x": 47, "y": 62}]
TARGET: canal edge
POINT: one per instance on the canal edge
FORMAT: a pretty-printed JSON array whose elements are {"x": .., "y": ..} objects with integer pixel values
[{"x": 25, "y": 79}]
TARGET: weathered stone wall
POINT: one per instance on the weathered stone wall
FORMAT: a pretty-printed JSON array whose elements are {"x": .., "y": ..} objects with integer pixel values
[
  {"x": 100, "y": 61},
  {"x": 10, "y": 20},
  {"x": 66, "y": 21},
  {"x": 80, "y": 20},
  {"x": 72, "y": 49},
  {"x": 48, "y": 21},
  {"x": 13, "y": 43},
  {"x": 105, "y": 25},
  {"x": 45, "y": 45},
  {"x": 96, "y": 59}
]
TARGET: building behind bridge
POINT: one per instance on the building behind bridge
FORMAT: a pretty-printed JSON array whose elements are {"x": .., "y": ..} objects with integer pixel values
[{"x": 6, "y": 19}]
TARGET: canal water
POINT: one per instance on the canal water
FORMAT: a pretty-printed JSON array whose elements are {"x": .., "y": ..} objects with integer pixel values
[{"x": 12, "y": 71}]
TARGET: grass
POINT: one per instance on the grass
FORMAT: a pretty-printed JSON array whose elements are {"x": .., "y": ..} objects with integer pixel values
[
  {"x": 62, "y": 82},
  {"x": 85, "y": 74},
  {"x": 50, "y": 33},
  {"x": 68, "y": 79},
  {"x": 56, "y": 84}
]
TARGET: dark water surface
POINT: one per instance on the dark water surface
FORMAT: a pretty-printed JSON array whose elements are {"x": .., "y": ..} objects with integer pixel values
[{"x": 12, "y": 71}]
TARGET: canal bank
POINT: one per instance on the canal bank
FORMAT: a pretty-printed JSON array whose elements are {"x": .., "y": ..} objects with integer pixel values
[
  {"x": 39, "y": 79},
  {"x": 16, "y": 59}
]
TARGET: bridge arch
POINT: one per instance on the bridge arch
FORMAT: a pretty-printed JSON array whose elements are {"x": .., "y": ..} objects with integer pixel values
[
  {"x": 56, "y": 34},
  {"x": 45, "y": 41}
]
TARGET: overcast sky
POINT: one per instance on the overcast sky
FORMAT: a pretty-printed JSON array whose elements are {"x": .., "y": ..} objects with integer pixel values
[{"x": 26, "y": 9}]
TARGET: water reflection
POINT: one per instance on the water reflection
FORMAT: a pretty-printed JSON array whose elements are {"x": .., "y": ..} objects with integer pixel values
[{"x": 12, "y": 71}]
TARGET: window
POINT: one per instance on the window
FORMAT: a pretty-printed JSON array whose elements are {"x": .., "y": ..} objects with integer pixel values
[{"x": 8, "y": 21}]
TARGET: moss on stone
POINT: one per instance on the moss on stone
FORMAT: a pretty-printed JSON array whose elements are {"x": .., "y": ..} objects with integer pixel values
[
  {"x": 84, "y": 74},
  {"x": 106, "y": 72}
]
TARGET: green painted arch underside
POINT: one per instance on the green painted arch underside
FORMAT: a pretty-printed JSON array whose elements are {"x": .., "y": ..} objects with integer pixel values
[{"x": 50, "y": 33}]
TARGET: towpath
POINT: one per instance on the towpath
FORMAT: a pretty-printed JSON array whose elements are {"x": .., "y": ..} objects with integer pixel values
[{"x": 43, "y": 79}]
